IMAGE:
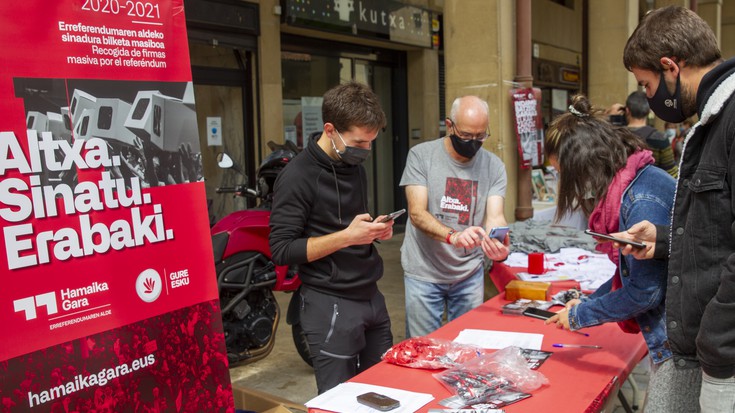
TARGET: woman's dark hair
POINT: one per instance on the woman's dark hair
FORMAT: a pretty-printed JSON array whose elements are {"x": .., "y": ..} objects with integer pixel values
[{"x": 589, "y": 151}]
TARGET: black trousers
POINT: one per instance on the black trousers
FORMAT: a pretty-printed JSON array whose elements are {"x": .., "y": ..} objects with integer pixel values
[{"x": 345, "y": 336}]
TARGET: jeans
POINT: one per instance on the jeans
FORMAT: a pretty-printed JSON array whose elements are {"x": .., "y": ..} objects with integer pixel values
[
  {"x": 426, "y": 302},
  {"x": 718, "y": 395}
]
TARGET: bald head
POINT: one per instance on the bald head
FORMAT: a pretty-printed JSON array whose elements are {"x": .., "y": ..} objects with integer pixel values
[{"x": 470, "y": 111}]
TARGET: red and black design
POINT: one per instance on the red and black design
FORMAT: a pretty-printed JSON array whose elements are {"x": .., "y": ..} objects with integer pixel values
[
  {"x": 173, "y": 362},
  {"x": 460, "y": 197}
]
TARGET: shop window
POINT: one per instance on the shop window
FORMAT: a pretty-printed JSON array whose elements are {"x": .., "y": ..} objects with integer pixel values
[{"x": 306, "y": 77}]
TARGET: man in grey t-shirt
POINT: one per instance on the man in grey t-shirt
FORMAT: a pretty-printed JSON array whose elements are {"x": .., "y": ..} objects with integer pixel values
[{"x": 455, "y": 191}]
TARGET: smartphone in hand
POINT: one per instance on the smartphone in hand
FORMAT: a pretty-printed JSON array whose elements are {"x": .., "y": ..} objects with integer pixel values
[
  {"x": 499, "y": 233},
  {"x": 634, "y": 244},
  {"x": 393, "y": 215}
]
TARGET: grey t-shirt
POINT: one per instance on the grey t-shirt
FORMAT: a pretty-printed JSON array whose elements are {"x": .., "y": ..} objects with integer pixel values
[{"x": 458, "y": 198}]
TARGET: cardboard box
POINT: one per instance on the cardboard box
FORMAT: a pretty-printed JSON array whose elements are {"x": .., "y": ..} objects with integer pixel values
[
  {"x": 531, "y": 290},
  {"x": 261, "y": 402}
]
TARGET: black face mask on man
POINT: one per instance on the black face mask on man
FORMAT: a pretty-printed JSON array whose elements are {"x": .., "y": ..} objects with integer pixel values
[
  {"x": 665, "y": 105},
  {"x": 352, "y": 155},
  {"x": 466, "y": 148}
]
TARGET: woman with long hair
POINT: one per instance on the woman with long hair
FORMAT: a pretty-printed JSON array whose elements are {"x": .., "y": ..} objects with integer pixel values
[{"x": 608, "y": 173}]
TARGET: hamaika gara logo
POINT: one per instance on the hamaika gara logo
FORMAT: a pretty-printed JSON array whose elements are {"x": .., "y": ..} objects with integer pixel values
[
  {"x": 149, "y": 285},
  {"x": 71, "y": 299}
]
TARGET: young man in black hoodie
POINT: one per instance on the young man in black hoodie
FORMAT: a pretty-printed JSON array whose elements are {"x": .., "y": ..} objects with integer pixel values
[
  {"x": 673, "y": 54},
  {"x": 320, "y": 221}
]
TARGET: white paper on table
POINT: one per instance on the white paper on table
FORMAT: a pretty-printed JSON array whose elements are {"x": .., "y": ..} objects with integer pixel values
[
  {"x": 590, "y": 269},
  {"x": 547, "y": 276},
  {"x": 343, "y": 398},
  {"x": 493, "y": 339},
  {"x": 517, "y": 259}
]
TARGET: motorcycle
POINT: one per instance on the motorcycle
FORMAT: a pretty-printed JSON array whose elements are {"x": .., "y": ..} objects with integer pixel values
[{"x": 246, "y": 274}]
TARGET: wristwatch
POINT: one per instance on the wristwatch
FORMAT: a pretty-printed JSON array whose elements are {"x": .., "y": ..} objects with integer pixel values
[{"x": 449, "y": 236}]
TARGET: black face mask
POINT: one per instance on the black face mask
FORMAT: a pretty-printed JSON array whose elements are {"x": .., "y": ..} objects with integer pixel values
[
  {"x": 352, "y": 155},
  {"x": 468, "y": 149},
  {"x": 665, "y": 105}
]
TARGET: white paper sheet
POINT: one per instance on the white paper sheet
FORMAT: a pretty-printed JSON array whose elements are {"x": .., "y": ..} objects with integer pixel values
[
  {"x": 590, "y": 269},
  {"x": 493, "y": 339},
  {"x": 343, "y": 398}
]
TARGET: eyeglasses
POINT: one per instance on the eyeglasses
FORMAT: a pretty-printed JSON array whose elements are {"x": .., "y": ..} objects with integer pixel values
[{"x": 465, "y": 136}]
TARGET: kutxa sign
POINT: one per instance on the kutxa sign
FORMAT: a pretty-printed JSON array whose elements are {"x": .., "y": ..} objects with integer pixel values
[{"x": 383, "y": 19}]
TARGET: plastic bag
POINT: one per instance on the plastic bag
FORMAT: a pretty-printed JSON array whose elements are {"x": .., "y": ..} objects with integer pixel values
[
  {"x": 491, "y": 377},
  {"x": 431, "y": 353}
]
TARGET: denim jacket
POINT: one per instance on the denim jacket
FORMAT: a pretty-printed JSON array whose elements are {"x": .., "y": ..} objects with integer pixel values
[{"x": 649, "y": 196}]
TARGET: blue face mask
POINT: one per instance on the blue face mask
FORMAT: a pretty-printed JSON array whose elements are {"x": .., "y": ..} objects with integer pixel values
[
  {"x": 670, "y": 133},
  {"x": 352, "y": 155}
]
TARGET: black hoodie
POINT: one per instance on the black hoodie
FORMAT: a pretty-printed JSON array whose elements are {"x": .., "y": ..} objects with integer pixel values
[{"x": 315, "y": 196}]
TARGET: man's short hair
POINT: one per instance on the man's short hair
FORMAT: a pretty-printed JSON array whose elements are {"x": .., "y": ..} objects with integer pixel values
[
  {"x": 637, "y": 104},
  {"x": 352, "y": 104},
  {"x": 675, "y": 32}
]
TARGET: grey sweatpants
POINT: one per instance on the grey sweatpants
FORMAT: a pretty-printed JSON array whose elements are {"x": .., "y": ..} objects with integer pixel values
[
  {"x": 345, "y": 336},
  {"x": 672, "y": 390}
]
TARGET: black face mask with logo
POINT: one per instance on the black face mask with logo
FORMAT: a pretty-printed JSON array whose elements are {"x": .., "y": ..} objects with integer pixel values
[
  {"x": 468, "y": 149},
  {"x": 665, "y": 105}
]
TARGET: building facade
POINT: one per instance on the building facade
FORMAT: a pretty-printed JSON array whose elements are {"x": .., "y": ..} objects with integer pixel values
[{"x": 260, "y": 67}]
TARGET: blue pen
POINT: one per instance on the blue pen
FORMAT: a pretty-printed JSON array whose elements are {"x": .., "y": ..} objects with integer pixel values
[{"x": 575, "y": 346}]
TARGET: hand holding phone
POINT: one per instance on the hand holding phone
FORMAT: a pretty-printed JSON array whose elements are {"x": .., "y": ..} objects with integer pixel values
[
  {"x": 393, "y": 215},
  {"x": 378, "y": 401},
  {"x": 499, "y": 233},
  {"x": 634, "y": 244}
]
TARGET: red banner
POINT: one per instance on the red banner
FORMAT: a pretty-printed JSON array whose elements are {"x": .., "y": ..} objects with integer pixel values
[
  {"x": 528, "y": 126},
  {"x": 109, "y": 298}
]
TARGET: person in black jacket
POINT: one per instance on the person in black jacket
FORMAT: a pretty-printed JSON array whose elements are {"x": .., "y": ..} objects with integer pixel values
[
  {"x": 673, "y": 54},
  {"x": 320, "y": 221}
]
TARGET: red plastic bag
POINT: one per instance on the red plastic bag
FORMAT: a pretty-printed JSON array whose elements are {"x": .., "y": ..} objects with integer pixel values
[{"x": 431, "y": 353}]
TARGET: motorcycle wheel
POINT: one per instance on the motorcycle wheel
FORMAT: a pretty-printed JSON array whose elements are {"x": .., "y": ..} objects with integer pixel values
[{"x": 299, "y": 340}]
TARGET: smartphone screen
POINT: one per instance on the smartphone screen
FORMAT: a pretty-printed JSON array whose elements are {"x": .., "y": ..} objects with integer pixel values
[
  {"x": 635, "y": 244},
  {"x": 538, "y": 313}
]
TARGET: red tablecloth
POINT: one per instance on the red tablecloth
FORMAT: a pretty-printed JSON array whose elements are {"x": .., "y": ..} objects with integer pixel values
[{"x": 577, "y": 376}]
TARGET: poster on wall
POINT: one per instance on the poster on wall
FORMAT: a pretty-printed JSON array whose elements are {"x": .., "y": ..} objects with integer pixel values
[
  {"x": 311, "y": 116},
  {"x": 109, "y": 299},
  {"x": 528, "y": 126}
]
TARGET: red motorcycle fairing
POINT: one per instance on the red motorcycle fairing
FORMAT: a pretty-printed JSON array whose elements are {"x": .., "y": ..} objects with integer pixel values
[{"x": 248, "y": 231}]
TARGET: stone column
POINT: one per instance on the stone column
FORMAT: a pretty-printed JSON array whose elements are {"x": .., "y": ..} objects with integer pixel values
[
  {"x": 423, "y": 95},
  {"x": 269, "y": 71},
  {"x": 480, "y": 58},
  {"x": 711, "y": 12},
  {"x": 610, "y": 23},
  {"x": 727, "y": 27}
]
